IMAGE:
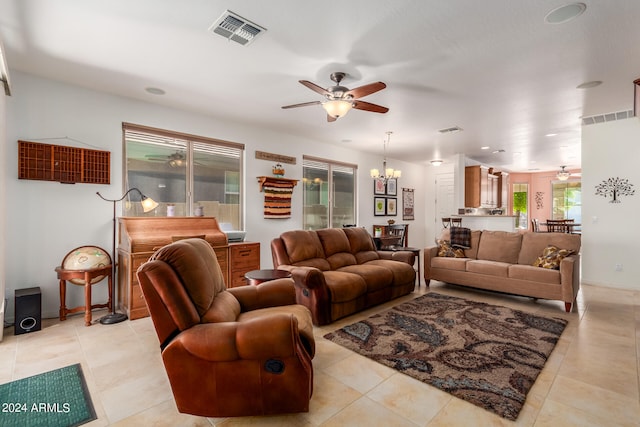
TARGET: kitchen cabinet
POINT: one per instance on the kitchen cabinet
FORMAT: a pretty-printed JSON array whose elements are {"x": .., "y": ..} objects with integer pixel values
[
  {"x": 503, "y": 190},
  {"x": 481, "y": 187}
]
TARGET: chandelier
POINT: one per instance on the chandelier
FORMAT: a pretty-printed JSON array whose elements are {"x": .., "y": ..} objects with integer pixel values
[
  {"x": 563, "y": 175},
  {"x": 387, "y": 173}
]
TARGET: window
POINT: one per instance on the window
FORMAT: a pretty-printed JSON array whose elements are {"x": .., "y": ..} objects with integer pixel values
[
  {"x": 329, "y": 193},
  {"x": 567, "y": 200},
  {"x": 194, "y": 174},
  {"x": 520, "y": 204}
]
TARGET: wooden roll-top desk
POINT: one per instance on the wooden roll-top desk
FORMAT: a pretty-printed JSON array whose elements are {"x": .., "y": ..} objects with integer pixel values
[{"x": 140, "y": 237}]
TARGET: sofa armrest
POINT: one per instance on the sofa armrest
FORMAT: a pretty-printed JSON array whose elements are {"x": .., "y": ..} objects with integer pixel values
[
  {"x": 404, "y": 256},
  {"x": 430, "y": 252},
  {"x": 269, "y": 294},
  {"x": 312, "y": 292},
  {"x": 570, "y": 277}
]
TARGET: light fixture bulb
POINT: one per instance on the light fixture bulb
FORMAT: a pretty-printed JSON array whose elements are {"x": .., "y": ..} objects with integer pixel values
[
  {"x": 563, "y": 175},
  {"x": 375, "y": 173},
  {"x": 337, "y": 108},
  {"x": 148, "y": 204},
  {"x": 436, "y": 162}
]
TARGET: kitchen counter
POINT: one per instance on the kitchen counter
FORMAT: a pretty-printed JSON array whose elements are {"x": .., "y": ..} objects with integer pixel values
[{"x": 488, "y": 222}]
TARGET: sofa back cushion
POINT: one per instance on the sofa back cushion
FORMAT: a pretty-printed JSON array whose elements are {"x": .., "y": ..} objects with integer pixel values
[
  {"x": 501, "y": 246},
  {"x": 362, "y": 245},
  {"x": 533, "y": 244},
  {"x": 336, "y": 247},
  {"x": 304, "y": 249}
]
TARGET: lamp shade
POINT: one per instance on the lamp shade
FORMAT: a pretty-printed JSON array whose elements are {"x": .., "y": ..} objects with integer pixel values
[
  {"x": 337, "y": 108},
  {"x": 148, "y": 204}
]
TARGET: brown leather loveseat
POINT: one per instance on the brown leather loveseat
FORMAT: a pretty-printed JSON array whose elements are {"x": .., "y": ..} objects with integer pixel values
[
  {"x": 236, "y": 352},
  {"x": 339, "y": 272}
]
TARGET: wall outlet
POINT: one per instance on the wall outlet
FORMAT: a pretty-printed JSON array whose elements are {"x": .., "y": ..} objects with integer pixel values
[{"x": 618, "y": 267}]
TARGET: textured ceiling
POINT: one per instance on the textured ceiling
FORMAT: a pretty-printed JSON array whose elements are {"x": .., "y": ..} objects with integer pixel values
[{"x": 493, "y": 68}]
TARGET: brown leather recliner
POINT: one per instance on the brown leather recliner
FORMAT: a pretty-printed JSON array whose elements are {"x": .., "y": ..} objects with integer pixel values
[{"x": 227, "y": 352}]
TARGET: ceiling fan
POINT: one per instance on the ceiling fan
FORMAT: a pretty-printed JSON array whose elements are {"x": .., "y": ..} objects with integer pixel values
[
  {"x": 174, "y": 160},
  {"x": 564, "y": 174},
  {"x": 339, "y": 99}
]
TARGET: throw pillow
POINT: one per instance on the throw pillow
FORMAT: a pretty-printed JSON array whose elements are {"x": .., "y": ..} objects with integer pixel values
[
  {"x": 551, "y": 257},
  {"x": 446, "y": 250}
]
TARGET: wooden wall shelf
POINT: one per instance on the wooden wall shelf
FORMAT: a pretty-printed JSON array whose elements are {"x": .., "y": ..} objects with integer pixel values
[
  {"x": 262, "y": 180},
  {"x": 69, "y": 165}
]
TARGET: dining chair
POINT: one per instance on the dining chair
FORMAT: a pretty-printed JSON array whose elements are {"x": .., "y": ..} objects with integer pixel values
[
  {"x": 456, "y": 222},
  {"x": 535, "y": 225},
  {"x": 446, "y": 222}
]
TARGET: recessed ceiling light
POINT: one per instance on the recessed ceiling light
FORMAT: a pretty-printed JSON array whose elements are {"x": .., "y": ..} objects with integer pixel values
[
  {"x": 498, "y": 151},
  {"x": 155, "y": 91},
  {"x": 551, "y": 134},
  {"x": 589, "y": 85},
  {"x": 565, "y": 13},
  {"x": 486, "y": 147}
]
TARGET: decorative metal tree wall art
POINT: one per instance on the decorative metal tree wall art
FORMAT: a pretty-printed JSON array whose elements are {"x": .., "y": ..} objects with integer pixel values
[
  {"x": 615, "y": 187},
  {"x": 539, "y": 199}
]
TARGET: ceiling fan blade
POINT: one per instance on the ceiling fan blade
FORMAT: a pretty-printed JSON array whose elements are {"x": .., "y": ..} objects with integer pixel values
[
  {"x": 367, "y": 106},
  {"x": 331, "y": 118},
  {"x": 365, "y": 90},
  {"x": 314, "y": 87},
  {"x": 304, "y": 104}
]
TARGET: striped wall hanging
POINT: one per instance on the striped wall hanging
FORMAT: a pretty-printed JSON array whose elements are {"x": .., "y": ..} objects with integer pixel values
[{"x": 277, "y": 196}]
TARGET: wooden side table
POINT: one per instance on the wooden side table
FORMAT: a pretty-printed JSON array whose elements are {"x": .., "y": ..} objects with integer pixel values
[
  {"x": 255, "y": 277},
  {"x": 87, "y": 276}
]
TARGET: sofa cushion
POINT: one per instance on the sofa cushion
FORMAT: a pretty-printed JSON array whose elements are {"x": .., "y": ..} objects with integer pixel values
[
  {"x": 344, "y": 286},
  {"x": 459, "y": 264},
  {"x": 304, "y": 249},
  {"x": 445, "y": 249},
  {"x": 336, "y": 247},
  {"x": 534, "y": 274},
  {"x": 501, "y": 246},
  {"x": 362, "y": 245},
  {"x": 534, "y": 243},
  {"x": 403, "y": 273},
  {"x": 491, "y": 268},
  {"x": 375, "y": 276},
  {"x": 552, "y": 257}
]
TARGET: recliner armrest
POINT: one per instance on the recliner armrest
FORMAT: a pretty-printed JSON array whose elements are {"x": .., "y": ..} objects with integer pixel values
[
  {"x": 274, "y": 335},
  {"x": 269, "y": 294}
]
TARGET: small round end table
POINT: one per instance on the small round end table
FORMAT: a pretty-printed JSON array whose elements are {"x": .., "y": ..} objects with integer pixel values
[{"x": 255, "y": 277}]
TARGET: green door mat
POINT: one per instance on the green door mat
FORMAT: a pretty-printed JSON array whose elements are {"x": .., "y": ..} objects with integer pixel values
[{"x": 57, "y": 398}]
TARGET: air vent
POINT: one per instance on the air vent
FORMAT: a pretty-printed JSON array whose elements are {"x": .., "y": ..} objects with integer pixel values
[
  {"x": 236, "y": 28},
  {"x": 452, "y": 129},
  {"x": 609, "y": 117}
]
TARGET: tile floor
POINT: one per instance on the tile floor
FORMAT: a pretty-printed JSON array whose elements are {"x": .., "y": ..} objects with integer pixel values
[{"x": 591, "y": 378}]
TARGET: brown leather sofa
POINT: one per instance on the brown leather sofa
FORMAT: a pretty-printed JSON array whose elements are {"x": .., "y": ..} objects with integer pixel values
[
  {"x": 236, "y": 352},
  {"x": 339, "y": 272}
]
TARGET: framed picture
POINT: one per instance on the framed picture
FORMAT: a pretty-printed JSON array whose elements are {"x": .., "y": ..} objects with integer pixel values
[
  {"x": 378, "y": 186},
  {"x": 407, "y": 203},
  {"x": 379, "y": 206},
  {"x": 392, "y": 187},
  {"x": 392, "y": 206}
]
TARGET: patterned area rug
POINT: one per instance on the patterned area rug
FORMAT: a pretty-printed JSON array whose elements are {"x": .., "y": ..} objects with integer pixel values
[
  {"x": 485, "y": 354},
  {"x": 57, "y": 398}
]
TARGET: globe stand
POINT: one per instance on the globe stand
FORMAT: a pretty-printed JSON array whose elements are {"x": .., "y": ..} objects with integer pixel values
[{"x": 112, "y": 318}]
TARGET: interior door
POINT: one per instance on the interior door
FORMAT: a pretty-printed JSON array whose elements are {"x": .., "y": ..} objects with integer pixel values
[{"x": 445, "y": 196}]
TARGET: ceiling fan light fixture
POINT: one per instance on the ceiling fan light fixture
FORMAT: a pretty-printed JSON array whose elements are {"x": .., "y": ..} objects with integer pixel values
[
  {"x": 563, "y": 175},
  {"x": 337, "y": 108}
]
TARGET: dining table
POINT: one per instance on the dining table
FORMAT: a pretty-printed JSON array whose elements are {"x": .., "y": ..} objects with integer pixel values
[{"x": 571, "y": 227}]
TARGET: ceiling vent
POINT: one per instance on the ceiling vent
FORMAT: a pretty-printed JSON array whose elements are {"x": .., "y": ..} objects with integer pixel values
[
  {"x": 452, "y": 129},
  {"x": 236, "y": 28},
  {"x": 609, "y": 117}
]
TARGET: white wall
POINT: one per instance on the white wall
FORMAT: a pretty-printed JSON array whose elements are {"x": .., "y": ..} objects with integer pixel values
[
  {"x": 47, "y": 219},
  {"x": 3, "y": 241},
  {"x": 610, "y": 234}
]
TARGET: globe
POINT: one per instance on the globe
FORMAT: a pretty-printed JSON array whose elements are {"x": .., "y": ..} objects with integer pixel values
[{"x": 86, "y": 258}]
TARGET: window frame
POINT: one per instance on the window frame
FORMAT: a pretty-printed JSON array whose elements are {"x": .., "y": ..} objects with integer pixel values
[{"x": 192, "y": 144}]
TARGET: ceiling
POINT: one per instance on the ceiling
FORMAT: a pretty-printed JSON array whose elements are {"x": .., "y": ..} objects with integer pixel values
[{"x": 493, "y": 68}]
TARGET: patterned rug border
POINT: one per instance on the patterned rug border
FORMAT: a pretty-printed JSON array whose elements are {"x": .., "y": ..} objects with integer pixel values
[{"x": 485, "y": 354}]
